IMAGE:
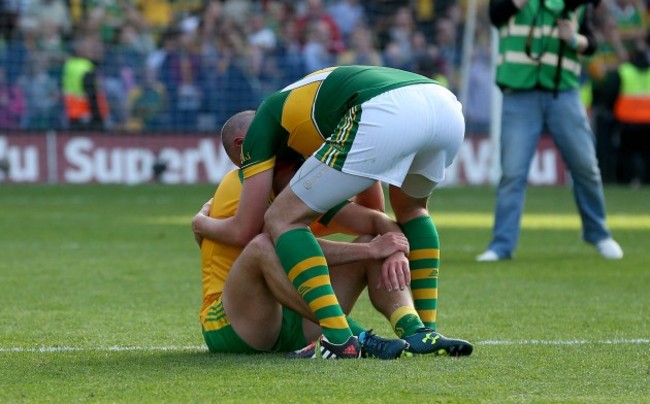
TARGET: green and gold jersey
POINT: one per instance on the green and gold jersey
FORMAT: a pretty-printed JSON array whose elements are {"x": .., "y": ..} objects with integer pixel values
[
  {"x": 302, "y": 115},
  {"x": 218, "y": 258}
]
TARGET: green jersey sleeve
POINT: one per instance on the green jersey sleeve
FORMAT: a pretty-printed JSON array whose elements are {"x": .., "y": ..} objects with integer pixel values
[{"x": 264, "y": 139}]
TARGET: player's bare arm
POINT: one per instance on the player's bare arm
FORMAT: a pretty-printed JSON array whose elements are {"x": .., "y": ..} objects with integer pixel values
[
  {"x": 238, "y": 230},
  {"x": 358, "y": 219},
  {"x": 204, "y": 211},
  {"x": 379, "y": 247}
]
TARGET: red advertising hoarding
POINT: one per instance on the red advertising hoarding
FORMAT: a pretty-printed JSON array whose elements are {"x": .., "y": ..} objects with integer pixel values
[{"x": 128, "y": 159}]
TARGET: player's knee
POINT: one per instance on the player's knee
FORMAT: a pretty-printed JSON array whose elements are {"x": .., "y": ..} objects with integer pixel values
[
  {"x": 261, "y": 242},
  {"x": 418, "y": 186},
  {"x": 271, "y": 223}
]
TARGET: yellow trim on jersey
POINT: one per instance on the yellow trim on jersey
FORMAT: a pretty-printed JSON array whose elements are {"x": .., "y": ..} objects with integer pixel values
[
  {"x": 214, "y": 317},
  {"x": 305, "y": 265},
  {"x": 325, "y": 70},
  {"x": 425, "y": 253},
  {"x": 259, "y": 167},
  {"x": 216, "y": 324},
  {"x": 297, "y": 118},
  {"x": 423, "y": 294}
]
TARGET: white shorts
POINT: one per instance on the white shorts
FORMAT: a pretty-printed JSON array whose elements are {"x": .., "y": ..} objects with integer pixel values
[{"x": 405, "y": 137}]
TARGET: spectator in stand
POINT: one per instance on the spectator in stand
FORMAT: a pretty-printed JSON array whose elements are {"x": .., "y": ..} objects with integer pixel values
[
  {"x": 54, "y": 14},
  {"x": 157, "y": 14},
  {"x": 611, "y": 50},
  {"x": 238, "y": 11},
  {"x": 208, "y": 32},
  {"x": 42, "y": 96},
  {"x": 397, "y": 37},
  {"x": 84, "y": 98},
  {"x": 611, "y": 53},
  {"x": 447, "y": 43},
  {"x": 211, "y": 20},
  {"x": 167, "y": 45},
  {"x": 262, "y": 43},
  {"x": 316, "y": 51},
  {"x": 233, "y": 80},
  {"x": 124, "y": 70},
  {"x": 146, "y": 104},
  {"x": 394, "y": 56},
  {"x": 180, "y": 72},
  {"x": 16, "y": 52},
  {"x": 315, "y": 14},
  {"x": 629, "y": 16},
  {"x": 9, "y": 13},
  {"x": 105, "y": 17},
  {"x": 627, "y": 94},
  {"x": 260, "y": 34},
  {"x": 402, "y": 30},
  {"x": 477, "y": 108},
  {"x": 288, "y": 55},
  {"x": 53, "y": 46},
  {"x": 478, "y": 105},
  {"x": 277, "y": 12},
  {"x": 380, "y": 14},
  {"x": 348, "y": 15},
  {"x": 362, "y": 50},
  {"x": 139, "y": 35},
  {"x": 45, "y": 34},
  {"x": 12, "y": 102},
  {"x": 427, "y": 60}
]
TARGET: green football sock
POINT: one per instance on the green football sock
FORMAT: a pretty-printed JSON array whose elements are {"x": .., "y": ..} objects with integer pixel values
[
  {"x": 304, "y": 263},
  {"x": 405, "y": 321},
  {"x": 355, "y": 327},
  {"x": 424, "y": 260}
]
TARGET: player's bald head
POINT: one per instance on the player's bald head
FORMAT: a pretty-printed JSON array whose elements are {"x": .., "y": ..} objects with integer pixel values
[{"x": 233, "y": 133}]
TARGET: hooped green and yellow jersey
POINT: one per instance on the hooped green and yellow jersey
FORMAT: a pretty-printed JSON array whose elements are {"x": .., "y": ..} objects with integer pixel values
[{"x": 302, "y": 115}]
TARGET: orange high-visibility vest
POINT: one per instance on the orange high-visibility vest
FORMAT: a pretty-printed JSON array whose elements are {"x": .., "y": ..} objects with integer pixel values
[
  {"x": 633, "y": 102},
  {"x": 75, "y": 98}
]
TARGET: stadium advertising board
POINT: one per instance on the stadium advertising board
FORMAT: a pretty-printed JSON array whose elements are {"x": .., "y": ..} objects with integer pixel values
[{"x": 129, "y": 159}]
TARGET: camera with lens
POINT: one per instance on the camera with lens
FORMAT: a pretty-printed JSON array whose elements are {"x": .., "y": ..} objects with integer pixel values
[{"x": 562, "y": 7}]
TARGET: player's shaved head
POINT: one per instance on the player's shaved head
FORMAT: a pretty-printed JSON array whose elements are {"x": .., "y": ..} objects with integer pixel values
[{"x": 233, "y": 133}]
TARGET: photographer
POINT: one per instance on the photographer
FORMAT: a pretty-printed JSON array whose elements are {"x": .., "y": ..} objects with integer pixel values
[{"x": 538, "y": 70}]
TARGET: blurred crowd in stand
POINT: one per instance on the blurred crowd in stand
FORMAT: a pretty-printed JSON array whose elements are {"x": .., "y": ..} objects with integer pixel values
[{"x": 187, "y": 65}]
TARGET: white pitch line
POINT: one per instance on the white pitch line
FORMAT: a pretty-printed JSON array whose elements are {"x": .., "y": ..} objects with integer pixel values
[
  {"x": 568, "y": 342},
  {"x": 201, "y": 348},
  {"x": 116, "y": 348}
]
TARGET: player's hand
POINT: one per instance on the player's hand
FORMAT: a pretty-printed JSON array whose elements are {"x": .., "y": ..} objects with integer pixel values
[
  {"x": 196, "y": 221},
  {"x": 388, "y": 244},
  {"x": 566, "y": 29},
  {"x": 395, "y": 272}
]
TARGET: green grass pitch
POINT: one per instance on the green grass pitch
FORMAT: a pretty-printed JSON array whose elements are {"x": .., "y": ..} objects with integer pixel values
[{"x": 100, "y": 290}]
